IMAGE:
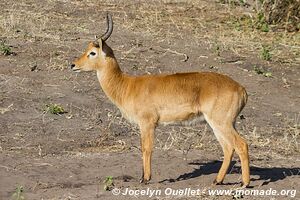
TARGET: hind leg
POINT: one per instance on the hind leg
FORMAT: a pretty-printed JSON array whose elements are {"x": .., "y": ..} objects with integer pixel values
[
  {"x": 228, "y": 153},
  {"x": 230, "y": 140},
  {"x": 241, "y": 147},
  {"x": 225, "y": 139}
]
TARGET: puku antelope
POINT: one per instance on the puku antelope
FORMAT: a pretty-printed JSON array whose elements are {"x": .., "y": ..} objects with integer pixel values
[{"x": 149, "y": 100}]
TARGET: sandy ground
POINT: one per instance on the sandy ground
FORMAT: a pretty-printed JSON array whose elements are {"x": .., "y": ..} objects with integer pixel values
[{"x": 69, "y": 156}]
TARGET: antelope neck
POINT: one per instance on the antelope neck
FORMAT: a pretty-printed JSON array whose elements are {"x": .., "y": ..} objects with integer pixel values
[{"x": 112, "y": 80}]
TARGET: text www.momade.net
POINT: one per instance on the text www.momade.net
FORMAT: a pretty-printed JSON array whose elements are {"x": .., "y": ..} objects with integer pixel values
[{"x": 188, "y": 192}]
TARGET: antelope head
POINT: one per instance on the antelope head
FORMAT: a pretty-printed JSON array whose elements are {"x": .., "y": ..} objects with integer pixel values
[{"x": 97, "y": 52}]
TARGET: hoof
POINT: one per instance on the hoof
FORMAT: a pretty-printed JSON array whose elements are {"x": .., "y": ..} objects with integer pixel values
[
  {"x": 217, "y": 183},
  {"x": 144, "y": 181},
  {"x": 243, "y": 185}
]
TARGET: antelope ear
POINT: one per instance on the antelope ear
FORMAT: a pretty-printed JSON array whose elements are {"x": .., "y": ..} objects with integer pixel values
[
  {"x": 98, "y": 43},
  {"x": 102, "y": 47}
]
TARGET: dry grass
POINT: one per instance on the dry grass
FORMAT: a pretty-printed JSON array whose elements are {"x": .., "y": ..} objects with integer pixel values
[
  {"x": 284, "y": 13},
  {"x": 277, "y": 142},
  {"x": 231, "y": 28}
]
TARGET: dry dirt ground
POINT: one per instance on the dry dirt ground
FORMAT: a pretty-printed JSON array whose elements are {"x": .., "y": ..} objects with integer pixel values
[{"x": 68, "y": 156}]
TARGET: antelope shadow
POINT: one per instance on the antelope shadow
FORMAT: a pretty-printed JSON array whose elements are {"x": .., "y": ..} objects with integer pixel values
[{"x": 266, "y": 174}]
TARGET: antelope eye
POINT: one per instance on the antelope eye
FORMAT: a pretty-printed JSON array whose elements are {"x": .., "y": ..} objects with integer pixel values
[{"x": 92, "y": 53}]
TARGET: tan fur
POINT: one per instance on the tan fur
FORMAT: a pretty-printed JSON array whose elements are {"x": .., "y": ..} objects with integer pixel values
[{"x": 152, "y": 99}]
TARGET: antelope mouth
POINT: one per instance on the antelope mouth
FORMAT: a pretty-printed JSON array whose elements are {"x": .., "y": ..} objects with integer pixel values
[{"x": 76, "y": 70}]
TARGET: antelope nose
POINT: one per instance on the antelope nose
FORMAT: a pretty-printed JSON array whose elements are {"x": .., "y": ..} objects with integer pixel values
[{"x": 72, "y": 66}]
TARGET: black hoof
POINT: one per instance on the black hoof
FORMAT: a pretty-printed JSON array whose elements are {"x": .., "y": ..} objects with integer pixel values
[
  {"x": 217, "y": 183},
  {"x": 245, "y": 185},
  {"x": 144, "y": 181}
]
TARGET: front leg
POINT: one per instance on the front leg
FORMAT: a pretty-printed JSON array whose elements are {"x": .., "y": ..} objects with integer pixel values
[{"x": 147, "y": 135}]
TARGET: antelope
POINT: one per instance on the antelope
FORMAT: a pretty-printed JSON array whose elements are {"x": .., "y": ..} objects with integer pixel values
[{"x": 149, "y": 100}]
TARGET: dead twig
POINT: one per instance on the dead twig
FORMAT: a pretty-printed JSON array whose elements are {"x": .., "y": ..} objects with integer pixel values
[{"x": 186, "y": 57}]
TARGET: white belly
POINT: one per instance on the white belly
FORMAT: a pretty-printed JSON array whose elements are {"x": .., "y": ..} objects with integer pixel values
[{"x": 187, "y": 122}]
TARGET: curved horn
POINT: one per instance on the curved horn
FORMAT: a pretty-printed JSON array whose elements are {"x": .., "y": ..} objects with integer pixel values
[{"x": 109, "y": 29}]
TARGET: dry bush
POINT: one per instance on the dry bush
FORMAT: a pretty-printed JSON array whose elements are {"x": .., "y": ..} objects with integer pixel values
[{"x": 284, "y": 13}]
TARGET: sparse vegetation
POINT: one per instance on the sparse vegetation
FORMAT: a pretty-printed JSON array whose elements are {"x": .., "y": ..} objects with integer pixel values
[
  {"x": 108, "y": 183},
  {"x": 235, "y": 2},
  {"x": 18, "y": 194},
  {"x": 5, "y": 49},
  {"x": 280, "y": 14},
  {"x": 217, "y": 50},
  {"x": 260, "y": 23},
  {"x": 283, "y": 14},
  {"x": 253, "y": 23},
  {"x": 55, "y": 109},
  {"x": 260, "y": 70},
  {"x": 265, "y": 53}
]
